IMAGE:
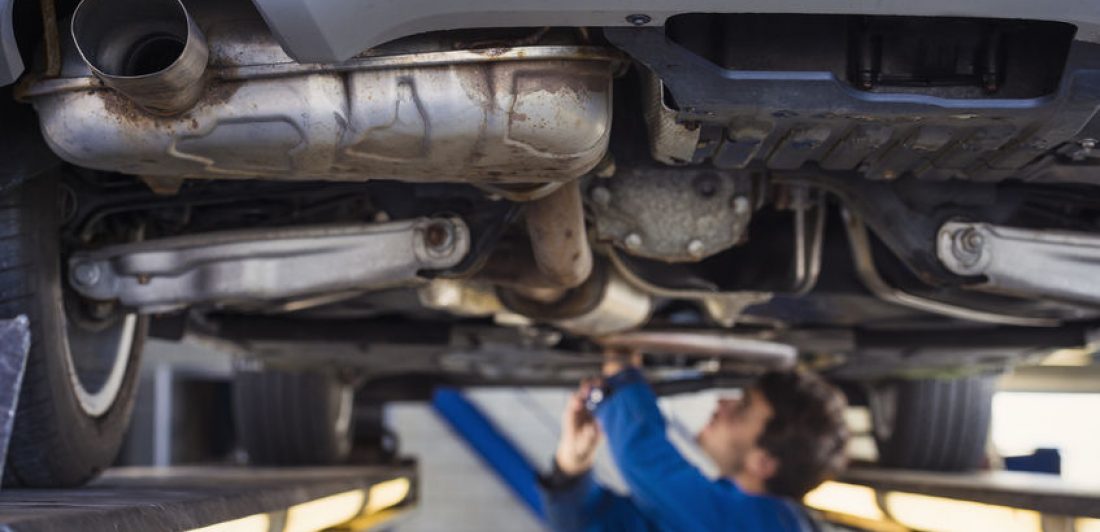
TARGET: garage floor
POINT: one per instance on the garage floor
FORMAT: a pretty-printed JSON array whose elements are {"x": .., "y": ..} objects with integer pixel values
[{"x": 457, "y": 491}]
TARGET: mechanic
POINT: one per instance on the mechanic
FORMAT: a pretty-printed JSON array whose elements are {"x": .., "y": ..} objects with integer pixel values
[{"x": 784, "y": 436}]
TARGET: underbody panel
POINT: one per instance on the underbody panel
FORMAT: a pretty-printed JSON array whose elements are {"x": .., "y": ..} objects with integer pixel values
[
  {"x": 313, "y": 30},
  {"x": 727, "y": 183}
]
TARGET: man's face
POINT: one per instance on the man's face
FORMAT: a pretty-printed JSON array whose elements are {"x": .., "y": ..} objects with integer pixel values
[{"x": 733, "y": 430}]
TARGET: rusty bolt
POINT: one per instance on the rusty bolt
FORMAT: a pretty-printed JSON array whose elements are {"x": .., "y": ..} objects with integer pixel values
[
  {"x": 143, "y": 278},
  {"x": 638, "y": 19},
  {"x": 696, "y": 248},
  {"x": 633, "y": 241},
  {"x": 439, "y": 237}
]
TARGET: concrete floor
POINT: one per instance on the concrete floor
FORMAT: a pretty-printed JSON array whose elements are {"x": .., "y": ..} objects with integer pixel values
[{"x": 457, "y": 492}]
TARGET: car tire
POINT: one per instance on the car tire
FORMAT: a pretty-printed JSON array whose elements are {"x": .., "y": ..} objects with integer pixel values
[
  {"x": 932, "y": 424},
  {"x": 78, "y": 386},
  {"x": 293, "y": 418}
]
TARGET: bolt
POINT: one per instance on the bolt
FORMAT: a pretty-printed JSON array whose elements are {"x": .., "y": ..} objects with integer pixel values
[
  {"x": 1087, "y": 145},
  {"x": 86, "y": 273},
  {"x": 971, "y": 240},
  {"x": 439, "y": 237},
  {"x": 601, "y": 196},
  {"x": 706, "y": 185},
  {"x": 696, "y": 248},
  {"x": 143, "y": 278},
  {"x": 633, "y": 241},
  {"x": 638, "y": 19},
  {"x": 741, "y": 206},
  {"x": 967, "y": 247}
]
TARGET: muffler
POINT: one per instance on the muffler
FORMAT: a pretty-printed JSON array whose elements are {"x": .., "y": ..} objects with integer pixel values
[
  {"x": 508, "y": 118},
  {"x": 151, "y": 51}
]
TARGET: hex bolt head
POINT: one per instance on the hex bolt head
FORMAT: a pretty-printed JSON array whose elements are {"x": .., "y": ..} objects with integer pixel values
[
  {"x": 741, "y": 206},
  {"x": 967, "y": 246},
  {"x": 601, "y": 195},
  {"x": 86, "y": 273},
  {"x": 633, "y": 241},
  {"x": 971, "y": 240},
  {"x": 696, "y": 248},
  {"x": 639, "y": 19},
  {"x": 439, "y": 237}
]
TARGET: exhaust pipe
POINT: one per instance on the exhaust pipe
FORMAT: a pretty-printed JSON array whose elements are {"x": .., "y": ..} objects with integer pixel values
[
  {"x": 149, "y": 50},
  {"x": 558, "y": 257}
]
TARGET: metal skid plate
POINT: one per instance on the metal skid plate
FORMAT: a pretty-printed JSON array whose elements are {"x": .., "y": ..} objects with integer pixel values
[
  {"x": 267, "y": 265},
  {"x": 666, "y": 215},
  {"x": 1045, "y": 263},
  {"x": 785, "y": 120}
]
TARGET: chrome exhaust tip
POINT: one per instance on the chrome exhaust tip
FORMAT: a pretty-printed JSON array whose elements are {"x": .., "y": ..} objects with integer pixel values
[{"x": 151, "y": 51}]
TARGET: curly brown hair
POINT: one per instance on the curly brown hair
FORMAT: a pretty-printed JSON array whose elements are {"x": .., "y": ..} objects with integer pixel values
[{"x": 807, "y": 433}]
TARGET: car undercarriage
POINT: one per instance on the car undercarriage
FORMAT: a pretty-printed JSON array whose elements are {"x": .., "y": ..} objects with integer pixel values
[{"x": 878, "y": 196}]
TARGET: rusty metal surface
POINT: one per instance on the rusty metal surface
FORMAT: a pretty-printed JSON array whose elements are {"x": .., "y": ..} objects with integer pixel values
[
  {"x": 559, "y": 241},
  {"x": 531, "y": 114},
  {"x": 671, "y": 215},
  {"x": 555, "y": 257},
  {"x": 123, "y": 43},
  {"x": 670, "y": 141}
]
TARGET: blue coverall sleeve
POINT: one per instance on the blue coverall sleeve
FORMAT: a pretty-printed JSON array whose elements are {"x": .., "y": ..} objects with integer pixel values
[
  {"x": 587, "y": 506},
  {"x": 667, "y": 489}
]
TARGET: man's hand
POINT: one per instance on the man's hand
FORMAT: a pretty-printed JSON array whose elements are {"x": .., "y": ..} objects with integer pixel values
[{"x": 580, "y": 435}]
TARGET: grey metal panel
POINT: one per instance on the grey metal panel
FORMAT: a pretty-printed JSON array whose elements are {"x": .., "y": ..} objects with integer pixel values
[
  {"x": 325, "y": 31},
  {"x": 11, "y": 64},
  {"x": 784, "y": 119}
]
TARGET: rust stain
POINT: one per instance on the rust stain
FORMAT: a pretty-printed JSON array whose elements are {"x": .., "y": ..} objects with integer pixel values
[{"x": 126, "y": 111}]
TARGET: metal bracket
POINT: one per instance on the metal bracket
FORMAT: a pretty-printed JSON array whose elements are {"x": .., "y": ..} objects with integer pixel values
[
  {"x": 1028, "y": 262},
  {"x": 723, "y": 307},
  {"x": 268, "y": 264},
  {"x": 864, "y": 262}
]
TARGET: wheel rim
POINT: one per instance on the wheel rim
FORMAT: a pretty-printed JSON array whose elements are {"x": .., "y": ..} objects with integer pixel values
[{"x": 98, "y": 360}]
